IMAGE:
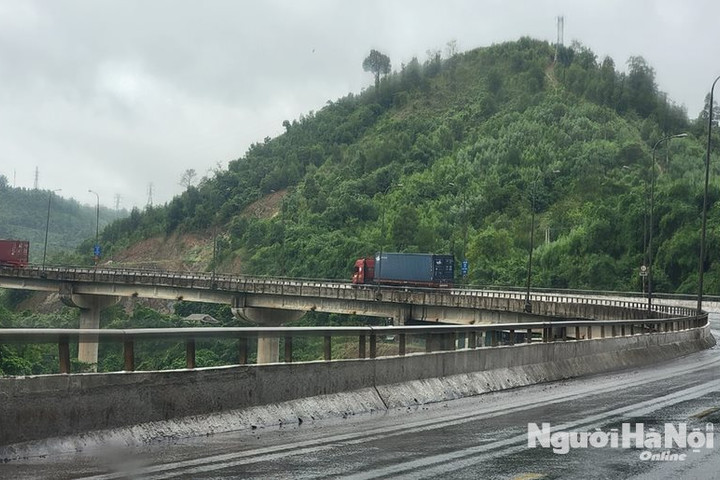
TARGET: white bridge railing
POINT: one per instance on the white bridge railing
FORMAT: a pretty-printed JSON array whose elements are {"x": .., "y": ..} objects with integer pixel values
[{"x": 430, "y": 338}]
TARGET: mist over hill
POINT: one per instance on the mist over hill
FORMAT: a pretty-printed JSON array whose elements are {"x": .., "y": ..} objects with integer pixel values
[
  {"x": 454, "y": 155},
  {"x": 28, "y": 214}
]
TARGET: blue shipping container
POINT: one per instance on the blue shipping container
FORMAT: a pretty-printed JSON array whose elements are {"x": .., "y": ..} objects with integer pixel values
[{"x": 414, "y": 268}]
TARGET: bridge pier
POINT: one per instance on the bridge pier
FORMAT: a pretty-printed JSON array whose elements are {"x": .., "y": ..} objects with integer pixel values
[
  {"x": 90, "y": 307},
  {"x": 402, "y": 314},
  {"x": 268, "y": 347},
  {"x": 268, "y": 350}
]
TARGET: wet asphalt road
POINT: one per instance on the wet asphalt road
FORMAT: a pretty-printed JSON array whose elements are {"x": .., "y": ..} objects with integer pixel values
[{"x": 481, "y": 437}]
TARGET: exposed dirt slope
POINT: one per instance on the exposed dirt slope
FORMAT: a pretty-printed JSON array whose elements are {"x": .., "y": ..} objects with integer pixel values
[
  {"x": 266, "y": 207},
  {"x": 177, "y": 252}
]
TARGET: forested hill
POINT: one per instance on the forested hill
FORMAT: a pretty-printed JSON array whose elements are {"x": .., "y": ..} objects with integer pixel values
[
  {"x": 29, "y": 214},
  {"x": 452, "y": 155}
]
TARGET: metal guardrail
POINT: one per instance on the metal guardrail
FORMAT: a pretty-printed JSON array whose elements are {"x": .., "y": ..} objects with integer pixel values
[
  {"x": 440, "y": 337},
  {"x": 36, "y": 271},
  {"x": 452, "y": 297},
  {"x": 334, "y": 281},
  {"x": 436, "y": 338}
]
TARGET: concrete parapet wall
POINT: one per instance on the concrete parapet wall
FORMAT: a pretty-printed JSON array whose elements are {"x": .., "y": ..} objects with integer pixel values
[{"x": 191, "y": 402}]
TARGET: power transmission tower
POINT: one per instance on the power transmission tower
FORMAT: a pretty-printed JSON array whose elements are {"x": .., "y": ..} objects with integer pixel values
[
  {"x": 37, "y": 178},
  {"x": 560, "y": 35},
  {"x": 150, "y": 192}
]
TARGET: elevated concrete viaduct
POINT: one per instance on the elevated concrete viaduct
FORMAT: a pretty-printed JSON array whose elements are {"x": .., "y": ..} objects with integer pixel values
[{"x": 269, "y": 301}]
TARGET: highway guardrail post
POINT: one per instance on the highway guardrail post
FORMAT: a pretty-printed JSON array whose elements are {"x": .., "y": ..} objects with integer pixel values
[
  {"x": 190, "y": 353},
  {"x": 129, "y": 354},
  {"x": 288, "y": 349},
  {"x": 64, "y": 354},
  {"x": 327, "y": 347},
  {"x": 361, "y": 347},
  {"x": 243, "y": 350}
]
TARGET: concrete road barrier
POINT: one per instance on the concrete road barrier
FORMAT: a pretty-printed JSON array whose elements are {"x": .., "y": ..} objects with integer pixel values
[{"x": 60, "y": 412}]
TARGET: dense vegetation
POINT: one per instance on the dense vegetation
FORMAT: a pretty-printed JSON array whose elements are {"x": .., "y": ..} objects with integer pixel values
[
  {"x": 30, "y": 214},
  {"x": 451, "y": 156}
]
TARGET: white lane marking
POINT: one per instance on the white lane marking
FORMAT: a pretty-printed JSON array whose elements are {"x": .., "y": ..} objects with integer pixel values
[
  {"x": 438, "y": 463},
  {"x": 217, "y": 462}
]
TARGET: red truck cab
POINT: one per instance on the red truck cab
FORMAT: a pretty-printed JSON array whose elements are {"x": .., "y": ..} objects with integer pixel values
[{"x": 364, "y": 271}]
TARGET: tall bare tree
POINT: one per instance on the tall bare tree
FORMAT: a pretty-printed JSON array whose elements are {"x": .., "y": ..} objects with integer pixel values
[{"x": 188, "y": 178}]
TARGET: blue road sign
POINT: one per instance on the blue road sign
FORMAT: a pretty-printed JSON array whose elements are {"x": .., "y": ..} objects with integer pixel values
[
  {"x": 96, "y": 250},
  {"x": 464, "y": 267}
]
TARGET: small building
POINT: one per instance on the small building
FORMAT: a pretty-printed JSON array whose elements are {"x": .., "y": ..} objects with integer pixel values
[{"x": 201, "y": 318}]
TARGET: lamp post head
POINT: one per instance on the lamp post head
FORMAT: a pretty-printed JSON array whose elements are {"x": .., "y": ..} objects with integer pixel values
[{"x": 678, "y": 135}]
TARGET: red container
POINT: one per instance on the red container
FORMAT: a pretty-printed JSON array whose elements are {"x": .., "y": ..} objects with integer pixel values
[{"x": 14, "y": 253}]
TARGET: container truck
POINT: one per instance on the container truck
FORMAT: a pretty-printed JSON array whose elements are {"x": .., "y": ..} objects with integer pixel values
[
  {"x": 14, "y": 253},
  {"x": 414, "y": 269}
]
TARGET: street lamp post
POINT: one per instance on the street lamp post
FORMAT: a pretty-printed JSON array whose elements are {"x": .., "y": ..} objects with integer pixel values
[
  {"x": 652, "y": 202},
  {"x": 701, "y": 267},
  {"x": 96, "y": 250},
  {"x": 528, "y": 304},
  {"x": 47, "y": 225}
]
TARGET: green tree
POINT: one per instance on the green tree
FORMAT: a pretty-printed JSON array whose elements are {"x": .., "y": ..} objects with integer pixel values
[
  {"x": 641, "y": 86},
  {"x": 378, "y": 64},
  {"x": 405, "y": 226}
]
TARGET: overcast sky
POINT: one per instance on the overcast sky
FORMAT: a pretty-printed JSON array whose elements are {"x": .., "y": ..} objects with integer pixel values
[{"x": 115, "y": 95}]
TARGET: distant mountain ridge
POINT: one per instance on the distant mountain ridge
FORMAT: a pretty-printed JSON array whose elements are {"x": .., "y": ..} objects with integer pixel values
[{"x": 24, "y": 216}]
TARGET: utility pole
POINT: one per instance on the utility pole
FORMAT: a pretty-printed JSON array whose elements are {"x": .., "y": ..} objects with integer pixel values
[{"x": 96, "y": 249}]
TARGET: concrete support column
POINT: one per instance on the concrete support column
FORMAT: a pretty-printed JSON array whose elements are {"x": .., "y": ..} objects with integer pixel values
[
  {"x": 402, "y": 314},
  {"x": 268, "y": 348},
  {"x": 88, "y": 344},
  {"x": 90, "y": 307}
]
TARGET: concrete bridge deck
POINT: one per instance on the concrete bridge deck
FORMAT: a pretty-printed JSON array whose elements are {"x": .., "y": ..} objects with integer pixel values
[{"x": 453, "y": 305}]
